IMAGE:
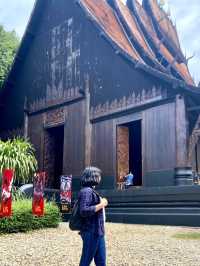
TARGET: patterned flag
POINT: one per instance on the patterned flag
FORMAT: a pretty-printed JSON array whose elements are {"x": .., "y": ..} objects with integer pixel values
[
  {"x": 38, "y": 194},
  {"x": 6, "y": 197},
  {"x": 65, "y": 193}
]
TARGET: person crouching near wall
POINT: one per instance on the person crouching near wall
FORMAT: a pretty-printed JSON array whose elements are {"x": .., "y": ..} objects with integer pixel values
[{"x": 92, "y": 210}]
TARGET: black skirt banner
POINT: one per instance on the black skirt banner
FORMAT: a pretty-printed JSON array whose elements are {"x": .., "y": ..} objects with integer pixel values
[
  {"x": 65, "y": 193},
  {"x": 38, "y": 194}
]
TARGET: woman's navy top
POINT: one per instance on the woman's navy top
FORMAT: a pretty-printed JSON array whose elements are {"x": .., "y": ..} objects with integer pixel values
[{"x": 92, "y": 221}]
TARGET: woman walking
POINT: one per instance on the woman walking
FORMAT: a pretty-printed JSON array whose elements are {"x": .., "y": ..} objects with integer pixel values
[{"x": 93, "y": 214}]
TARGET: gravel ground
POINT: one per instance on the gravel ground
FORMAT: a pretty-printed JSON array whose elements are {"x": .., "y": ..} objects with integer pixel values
[{"x": 127, "y": 245}]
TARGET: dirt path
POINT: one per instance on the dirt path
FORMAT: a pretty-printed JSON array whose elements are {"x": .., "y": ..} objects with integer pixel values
[{"x": 127, "y": 245}]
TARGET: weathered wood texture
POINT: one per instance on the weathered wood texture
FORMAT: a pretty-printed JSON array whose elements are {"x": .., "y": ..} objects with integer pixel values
[
  {"x": 66, "y": 46},
  {"x": 103, "y": 147},
  {"x": 181, "y": 133},
  {"x": 158, "y": 138},
  {"x": 36, "y": 136},
  {"x": 88, "y": 126},
  {"x": 49, "y": 144},
  {"x": 74, "y": 139},
  {"x": 122, "y": 151}
]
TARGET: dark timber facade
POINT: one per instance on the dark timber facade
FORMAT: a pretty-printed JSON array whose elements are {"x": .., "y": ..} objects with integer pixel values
[{"x": 106, "y": 84}]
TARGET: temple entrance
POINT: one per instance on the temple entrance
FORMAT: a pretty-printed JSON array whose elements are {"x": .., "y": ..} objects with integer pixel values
[
  {"x": 53, "y": 161},
  {"x": 129, "y": 151}
]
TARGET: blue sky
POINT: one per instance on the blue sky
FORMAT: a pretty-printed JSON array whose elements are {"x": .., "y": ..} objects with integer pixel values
[{"x": 14, "y": 14}]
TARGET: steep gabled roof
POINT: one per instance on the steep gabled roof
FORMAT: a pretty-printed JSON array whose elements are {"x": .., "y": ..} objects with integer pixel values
[
  {"x": 133, "y": 26},
  {"x": 164, "y": 27},
  {"x": 180, "y": 70},
  {"x": 136, "y": 35},
  {"x": 130, "y": 30},
  {"x": 105, "y": 17}
]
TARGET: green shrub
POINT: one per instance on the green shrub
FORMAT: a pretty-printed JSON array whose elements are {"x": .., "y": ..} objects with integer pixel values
[{"x": 23, "y": 220}]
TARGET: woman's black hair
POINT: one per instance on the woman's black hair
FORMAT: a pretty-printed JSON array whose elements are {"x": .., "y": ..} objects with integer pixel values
[{"x": 91, "y": 176}]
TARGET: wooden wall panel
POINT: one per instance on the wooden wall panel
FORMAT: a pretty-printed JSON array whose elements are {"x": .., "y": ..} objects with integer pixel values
[
  {"x": 181, "y": 132},
  {"x": 74, "y": 139},
  {"x": 158, "y": 129},
  {"x": 36, "y": 135},
  {"x": 103, "y": 147}
]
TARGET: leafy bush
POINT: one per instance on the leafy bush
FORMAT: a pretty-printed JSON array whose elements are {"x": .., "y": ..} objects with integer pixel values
[
  {"x": 23, "y": 220},
  {"x": 18, "y": 154}
]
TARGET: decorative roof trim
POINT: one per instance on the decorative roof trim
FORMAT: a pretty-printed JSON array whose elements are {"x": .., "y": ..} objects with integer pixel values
[
  {"x": 96, "y": 20},
  {"x": 180, "y": 71},
  {"x": 143, "y": 97},
  {"x": 149, "y": 56},
  {"x": 148, "y": 6}
]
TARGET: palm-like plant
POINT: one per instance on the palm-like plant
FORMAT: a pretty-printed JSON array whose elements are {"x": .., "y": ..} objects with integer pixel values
[{"x": 18, "y": 154}]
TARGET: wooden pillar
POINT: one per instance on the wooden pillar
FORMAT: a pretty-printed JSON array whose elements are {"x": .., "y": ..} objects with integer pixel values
[
  {"x": 183, "y": 172},
  {"x": 181, "y": 132},
  {"x": 88, "y": 126}
]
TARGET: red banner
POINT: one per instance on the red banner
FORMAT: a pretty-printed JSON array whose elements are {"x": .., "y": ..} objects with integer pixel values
[
  {"x": 38, "y": 194},
  {"x": 6, "y": 197},
  {"x": 65, "y": 193}
]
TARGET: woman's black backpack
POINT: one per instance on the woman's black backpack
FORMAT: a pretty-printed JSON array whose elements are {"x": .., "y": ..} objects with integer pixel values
[{"x": 75, "y": 220}]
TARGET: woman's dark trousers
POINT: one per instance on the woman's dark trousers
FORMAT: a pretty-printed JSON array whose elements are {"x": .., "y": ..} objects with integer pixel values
[{"x": 93, "y": 248}]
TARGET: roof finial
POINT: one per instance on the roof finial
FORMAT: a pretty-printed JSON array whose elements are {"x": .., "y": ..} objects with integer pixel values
[
  {"x": 169, "y": 12},
  {"x": 161, "y": 3},
  {"x": 189, "y": 58}
]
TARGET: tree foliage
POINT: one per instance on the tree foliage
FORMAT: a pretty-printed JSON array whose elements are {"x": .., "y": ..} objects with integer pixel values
[{"x": 8, "y": 46}]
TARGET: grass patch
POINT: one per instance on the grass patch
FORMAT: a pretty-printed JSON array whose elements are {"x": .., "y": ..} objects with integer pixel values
[
  {"x": 188, "y": 236},
  {"x": 22, "y": 219}
]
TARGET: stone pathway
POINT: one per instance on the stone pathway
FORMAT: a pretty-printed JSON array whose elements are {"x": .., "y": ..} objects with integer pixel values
[{"x": 127, "y": 245}]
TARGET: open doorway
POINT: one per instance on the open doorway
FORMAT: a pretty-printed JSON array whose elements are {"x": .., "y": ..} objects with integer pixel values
[
  {"x": 129, "y": 151},
  {"x": 53, "y": 162}
]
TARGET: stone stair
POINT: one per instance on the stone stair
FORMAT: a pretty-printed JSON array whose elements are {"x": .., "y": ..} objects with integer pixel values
[
  {"x": 165, "y": 215},
  {"x": 164, "y": 206}
]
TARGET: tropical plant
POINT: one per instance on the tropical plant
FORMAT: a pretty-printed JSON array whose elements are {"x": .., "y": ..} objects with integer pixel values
[{"x": 18, "y": 154}]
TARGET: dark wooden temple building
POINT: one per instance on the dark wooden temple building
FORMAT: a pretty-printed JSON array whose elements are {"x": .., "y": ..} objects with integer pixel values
[{"x": 106, "y": 84}]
